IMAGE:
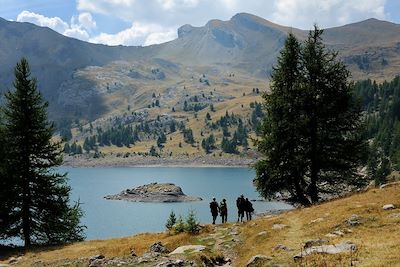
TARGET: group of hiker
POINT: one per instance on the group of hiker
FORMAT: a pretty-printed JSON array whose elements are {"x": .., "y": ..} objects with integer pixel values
[{"x": 243, "y": 205}]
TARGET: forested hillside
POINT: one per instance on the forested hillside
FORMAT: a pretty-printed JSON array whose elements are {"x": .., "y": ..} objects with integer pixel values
[{"x": 381, "y": 105}]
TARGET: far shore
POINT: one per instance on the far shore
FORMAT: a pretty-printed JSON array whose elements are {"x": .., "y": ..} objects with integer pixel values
[{"x": 154, "y": 162}]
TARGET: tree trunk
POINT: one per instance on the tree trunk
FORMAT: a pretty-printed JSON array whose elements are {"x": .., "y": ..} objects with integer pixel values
[
  {"x": 302, "y": 199},
  {"x": 312, "y": 190},
  {"x": 26, "y": 225}
]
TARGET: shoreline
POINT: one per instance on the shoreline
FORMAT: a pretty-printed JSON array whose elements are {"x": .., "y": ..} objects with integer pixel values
[{"x": 84, "y": 161}]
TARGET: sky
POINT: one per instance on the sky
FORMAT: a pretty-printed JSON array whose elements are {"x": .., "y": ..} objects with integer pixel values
[{"x": 147, "y": 22}]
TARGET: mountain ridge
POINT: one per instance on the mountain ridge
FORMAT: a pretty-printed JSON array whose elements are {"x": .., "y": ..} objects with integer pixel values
[{"x": 245, "y": 43}]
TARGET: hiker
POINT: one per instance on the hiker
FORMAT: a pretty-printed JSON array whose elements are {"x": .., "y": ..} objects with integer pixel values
[
  {"x": 223, "y": 210},
  {"x": 248, "y": 209},
  {"x": 240, "y": 202},
  {"x": 214, "y": 209}
]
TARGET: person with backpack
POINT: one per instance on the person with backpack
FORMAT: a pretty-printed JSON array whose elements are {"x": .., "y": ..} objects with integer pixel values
[
  {"x": 214, "y": 210},
  {"x": 248, "y": 209},
  {"x": 240, "y": 204},
  {"x": 223, "y": 210}
]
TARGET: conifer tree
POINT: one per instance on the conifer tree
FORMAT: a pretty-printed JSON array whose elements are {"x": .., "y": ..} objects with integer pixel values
[
  {"x": 41, "y": 209},
  {"x": 171, "y": 220},
  {"x": 311, "y": 132}
]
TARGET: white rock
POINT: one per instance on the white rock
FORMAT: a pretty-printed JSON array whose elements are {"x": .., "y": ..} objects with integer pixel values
[
  {"x": 328, "y": 249},
  {"x": 188, "y": 248},
  {"x": 389, "y": 207},
  {"x": 263, "y": 233},
  {"x": 318, "y": 220},
  {"x": 278, "y": 226}
]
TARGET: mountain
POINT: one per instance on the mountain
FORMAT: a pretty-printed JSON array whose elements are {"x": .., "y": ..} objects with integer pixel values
[{"x": 84, "y": 80}]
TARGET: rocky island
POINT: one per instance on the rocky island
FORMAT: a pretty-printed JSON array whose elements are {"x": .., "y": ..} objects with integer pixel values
[{"x": 154, "y": 192}]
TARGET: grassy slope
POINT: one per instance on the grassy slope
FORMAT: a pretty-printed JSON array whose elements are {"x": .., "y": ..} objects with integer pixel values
[{"x": 377, "y": 238}]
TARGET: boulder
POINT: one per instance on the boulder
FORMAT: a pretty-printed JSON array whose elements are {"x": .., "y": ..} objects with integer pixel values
[
  {"x": 96, "y": 257},
  {"x": 258, "y": 260},
  {"x": 158, "y": 248},
  {"x": 343, "y": 247},
  {"x": 278, "y": 226},
  {"x": 262, "y": 233},
  {"x": 172, "y": 263},
  {"x": 188, "y": 248},
  {"x": 314, "y": 242},
  {"x": 389, "y": 207},
  {"x": 354, "y": 220},
  {"x": 389, "y": 184},
  {"x": 281, "y": 247}
]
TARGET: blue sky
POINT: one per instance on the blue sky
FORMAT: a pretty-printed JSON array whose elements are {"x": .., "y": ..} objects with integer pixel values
[{"x": 145, "y": 22}]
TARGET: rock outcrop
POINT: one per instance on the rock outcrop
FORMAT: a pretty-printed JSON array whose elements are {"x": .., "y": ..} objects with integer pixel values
[
  {"x": 328, "y": 249},
  {"x": 154, "y": 192}
]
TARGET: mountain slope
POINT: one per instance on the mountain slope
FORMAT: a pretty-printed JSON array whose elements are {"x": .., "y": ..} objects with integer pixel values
[{"x": 245, "y": 45}]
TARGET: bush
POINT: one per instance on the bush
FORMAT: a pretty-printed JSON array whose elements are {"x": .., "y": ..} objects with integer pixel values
[
  {"x": 190, "y": 225},
  {"x": 179, "y": 226}
]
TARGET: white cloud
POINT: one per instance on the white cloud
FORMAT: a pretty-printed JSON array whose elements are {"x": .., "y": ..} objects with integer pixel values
[
  {"x": 156, "y": 21},
  {"x": 77, "y": 33},
  {"x": 77, "y": 28},
  {"x": 296, "y": 13},
  {"x": 85, "y": 19},
  {"x": 303, "y": 13},
  {"x": 160, "y": 37},
  {"x": 137, "y": 34},
  {"x": 54, "y": 23}
]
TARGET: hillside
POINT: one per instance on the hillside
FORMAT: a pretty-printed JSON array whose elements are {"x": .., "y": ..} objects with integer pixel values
[
  {"x": 64, "y": 66},
  {"x": 172, "y": 97},
  {"x": 358, "y": 219}
]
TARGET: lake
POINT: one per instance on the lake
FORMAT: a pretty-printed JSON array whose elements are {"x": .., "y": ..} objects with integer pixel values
[{"x": 116, "y": 218}]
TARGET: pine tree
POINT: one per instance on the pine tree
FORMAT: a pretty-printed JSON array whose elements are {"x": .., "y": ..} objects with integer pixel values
[
  {"x": 8, "y": 191},
  {"x": 311, "y": 132},
  {"x": 179, "y": 226},
  {"x": 192, "y": 225},
  {"x": 171, "y": 221},
  {"x": 41, "y": 211},
  {"x": 67, "y": 148}
]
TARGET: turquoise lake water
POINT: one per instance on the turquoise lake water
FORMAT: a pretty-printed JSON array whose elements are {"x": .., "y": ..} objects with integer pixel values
[{"x": 115, "y": 218}]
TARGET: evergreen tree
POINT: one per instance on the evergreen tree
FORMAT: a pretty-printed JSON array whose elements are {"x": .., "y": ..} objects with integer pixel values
[
  {"x": 188, "y": 136},
  {"x": 8, "y": 191},
  {"x": 208, "y": 144},
  {"x": 311, "y": 132},
  {"x": 192, "y": 225},
  {"x": 67, "y": 148},
  {"x": 171, "y": 221},
  {"x": 229, "y": 146},
  {"x": 212, "y": 107},
  {"x": 41, "y": 211},
  {"x": 172, "y": 126},
  {"x": 161, "y": 140},
  {"x": 153, "y": 152}
]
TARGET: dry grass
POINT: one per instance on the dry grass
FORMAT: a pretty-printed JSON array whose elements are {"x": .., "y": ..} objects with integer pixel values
[
  {"x": 109, "y": 248},
  {"x": 377, "y": 238}
]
